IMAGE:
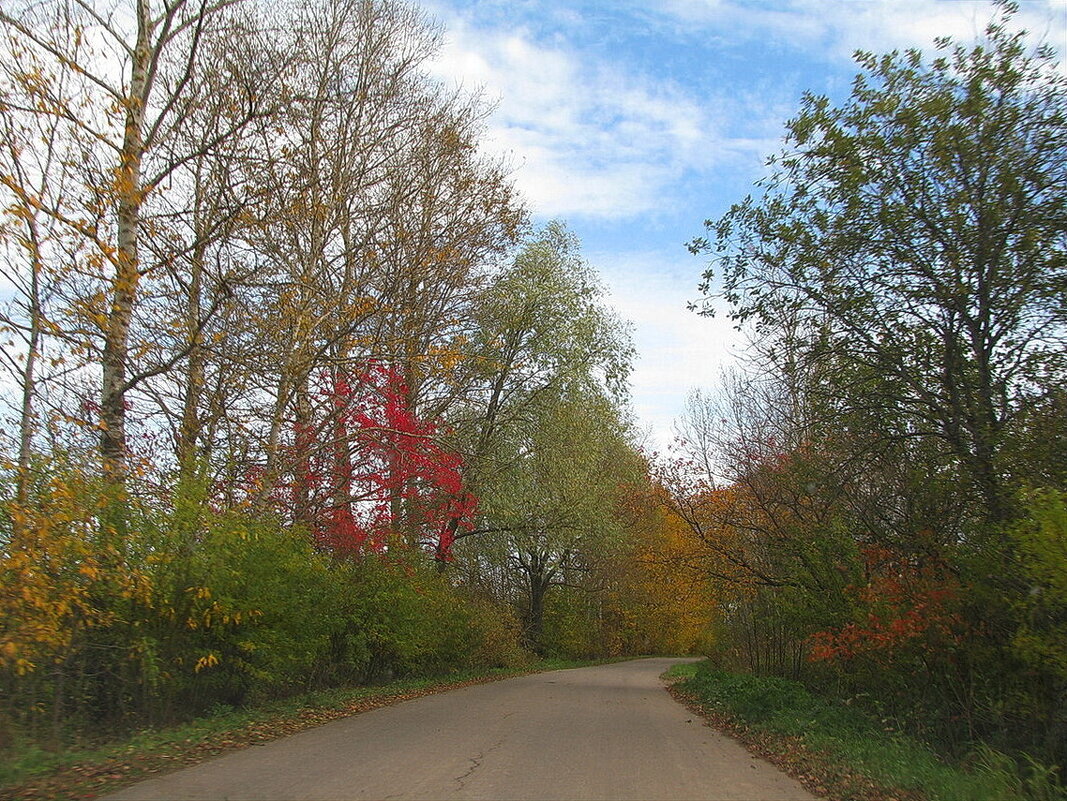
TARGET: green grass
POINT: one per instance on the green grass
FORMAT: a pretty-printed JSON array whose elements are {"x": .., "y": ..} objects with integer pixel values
[
  {"x": 684, "y": 670},
  {"x": 29, "y": 771},
  {"x": 849, "y": 742}
]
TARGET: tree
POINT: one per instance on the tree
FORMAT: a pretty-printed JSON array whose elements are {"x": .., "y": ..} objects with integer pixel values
[
  {"x": 27, "y": 175},
  {"x": 542, "y": 378},
  {"x": 556, "y": 505},
  {"x": 542, "y": 333},
  {"x": 118, "y": 89},
  {"x": 379, "y": 221},
  {"x": 662, "y": 594},
  {"x": 382, "y": 454},
  {"x": 904, "y": 274},
  {"x": 917, "y": 235}
]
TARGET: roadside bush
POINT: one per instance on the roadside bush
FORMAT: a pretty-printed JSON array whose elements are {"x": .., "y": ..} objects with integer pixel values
[
  {"x": 247, "y": 607},
  {"x": 570, "y": 631},
  {"x": 189, "y": 610},
  {"x": 403, "y": 618},
  {"x": 71, "y": 590},
  {"x": 751, "y": 697}
]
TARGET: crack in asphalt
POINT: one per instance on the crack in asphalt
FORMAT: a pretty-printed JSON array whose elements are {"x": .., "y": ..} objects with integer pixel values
[{"x": 476, "y": 762}]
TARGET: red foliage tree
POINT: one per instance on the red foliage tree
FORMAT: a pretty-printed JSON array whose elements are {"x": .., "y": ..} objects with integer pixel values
[{"x": 371, "y": 471}]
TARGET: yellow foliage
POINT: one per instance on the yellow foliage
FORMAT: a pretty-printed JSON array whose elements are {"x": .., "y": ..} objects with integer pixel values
[
  {"x": 209, "y": 660},
  {"x": 59, "y": 575},
  {"x": 665, "y": 600},
  {"x": 447, "y": 358}
]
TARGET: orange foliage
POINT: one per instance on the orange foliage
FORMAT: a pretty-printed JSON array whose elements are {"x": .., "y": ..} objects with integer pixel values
[
  {"x": 907, "y": 602},
  {"x": 665, "y": 600}
]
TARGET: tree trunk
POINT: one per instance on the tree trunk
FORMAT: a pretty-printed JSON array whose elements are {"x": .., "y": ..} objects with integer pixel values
[
  {"x": 535, "y": 616},
  {"x": 190, "y": 428},
  {"x": 113, "y": 444},
  {"x": 302, "y": 463},
  {"x": 539, "y": 580},
  {"x": 27, "y": 418}
]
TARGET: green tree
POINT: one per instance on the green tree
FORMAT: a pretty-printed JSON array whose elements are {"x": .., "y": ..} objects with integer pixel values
[
  {"x": 916, "y": 236},
  {"x": 543, "y": 334},
  {"x": 542, "y": 328},
  {"x": 557, "y": 503},
  {"x": 904, "y": 273},
  {"x": 546, "y": 375}
]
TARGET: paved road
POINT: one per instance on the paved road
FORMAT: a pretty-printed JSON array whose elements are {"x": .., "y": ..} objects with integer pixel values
[{"x": 607, "y": 732}]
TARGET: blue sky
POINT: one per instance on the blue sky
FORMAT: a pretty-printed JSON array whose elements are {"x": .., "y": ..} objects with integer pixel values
[{"x": 635, "y": 121}]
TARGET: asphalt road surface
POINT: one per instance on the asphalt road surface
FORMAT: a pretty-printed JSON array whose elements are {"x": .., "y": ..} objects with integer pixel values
[{"x": 606, "y": 732}]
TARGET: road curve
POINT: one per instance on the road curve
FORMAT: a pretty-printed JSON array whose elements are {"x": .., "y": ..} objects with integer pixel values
[{"x": 606, "y": 732}]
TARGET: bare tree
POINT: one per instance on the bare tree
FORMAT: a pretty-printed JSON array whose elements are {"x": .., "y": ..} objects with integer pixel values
[{"x": 119, "y": 83}]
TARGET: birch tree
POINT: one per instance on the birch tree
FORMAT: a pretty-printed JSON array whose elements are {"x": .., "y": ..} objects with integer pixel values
[{"x": 119, "y": 83}]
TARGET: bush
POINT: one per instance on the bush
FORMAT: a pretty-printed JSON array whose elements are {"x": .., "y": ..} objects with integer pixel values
[
  {"x": 403, "y": 618},
  {"x": 188, "y": 610}
]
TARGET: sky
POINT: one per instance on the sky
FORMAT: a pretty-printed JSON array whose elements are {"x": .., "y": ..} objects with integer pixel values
[{"x": 634, "y": 121}]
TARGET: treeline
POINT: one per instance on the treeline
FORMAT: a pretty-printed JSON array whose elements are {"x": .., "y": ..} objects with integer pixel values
[
  {"x": 884, "y": 483},
  {"x": 297, "y": 398}
]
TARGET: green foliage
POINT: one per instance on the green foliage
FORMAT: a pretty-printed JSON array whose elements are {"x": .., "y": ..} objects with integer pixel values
[
  {"x": 1042, "y": 541},
  {"x": 490, "y": 635},
  {"x": 404, "y": 618},
  {"x": 895, "y": 507},
  {"x": 247, "y": 604},
  {"x": 754, "y": 698},
  {"x": 1006, "y": 779},
  {"x": 1041, "y": 538},
  {"x": 683, "y": 670},
  {"x": 571, "y": 629},
  {"x": 910, "y": 244},
  {"x": 854, "y": 742},
  {"x": 207, "y": 610}
]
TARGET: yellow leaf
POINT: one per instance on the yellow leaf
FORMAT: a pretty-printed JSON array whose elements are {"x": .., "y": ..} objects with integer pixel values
[{"x": 205, "y": 662}]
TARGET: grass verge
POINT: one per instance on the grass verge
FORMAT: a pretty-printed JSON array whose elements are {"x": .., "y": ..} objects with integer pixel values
[
  {"x": 841, "y": 754},
  {"x": 33, "y": 774}
]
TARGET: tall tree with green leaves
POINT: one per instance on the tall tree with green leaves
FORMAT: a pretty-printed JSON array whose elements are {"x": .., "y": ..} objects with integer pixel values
[
  {"x": 916, "y": 236},
  {"x": 545, "y": 380},
  {"x": 904, "y": 273},
  {"x": 556, "y": 504},
  {"x": 542, "y": 331}
]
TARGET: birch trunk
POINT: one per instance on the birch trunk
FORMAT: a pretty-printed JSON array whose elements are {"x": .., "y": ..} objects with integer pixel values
[{"x": 113, "y": 443}]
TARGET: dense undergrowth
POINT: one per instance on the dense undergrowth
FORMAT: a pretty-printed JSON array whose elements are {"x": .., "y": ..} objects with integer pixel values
[
  {"x": 185, "y": 617},
  {"x": 850, "y": 755}
]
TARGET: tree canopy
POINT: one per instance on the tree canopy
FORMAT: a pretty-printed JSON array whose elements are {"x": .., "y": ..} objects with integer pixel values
[
  {"x": 883, "y": 484},
  {"x": 915, "y": 240}
]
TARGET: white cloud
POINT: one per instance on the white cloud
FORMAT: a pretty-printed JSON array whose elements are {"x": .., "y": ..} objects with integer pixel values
[
  {"x": 612, "y": 144},
  {"x": 587, "y": 138},
  {"x": 678, "y": 350},
  {"x": 840, "y": 27},
  {"x": 599, "y": 141}
]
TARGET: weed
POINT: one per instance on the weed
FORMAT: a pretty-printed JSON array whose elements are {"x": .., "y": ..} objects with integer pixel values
[{"x": 850, "y": 742}]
